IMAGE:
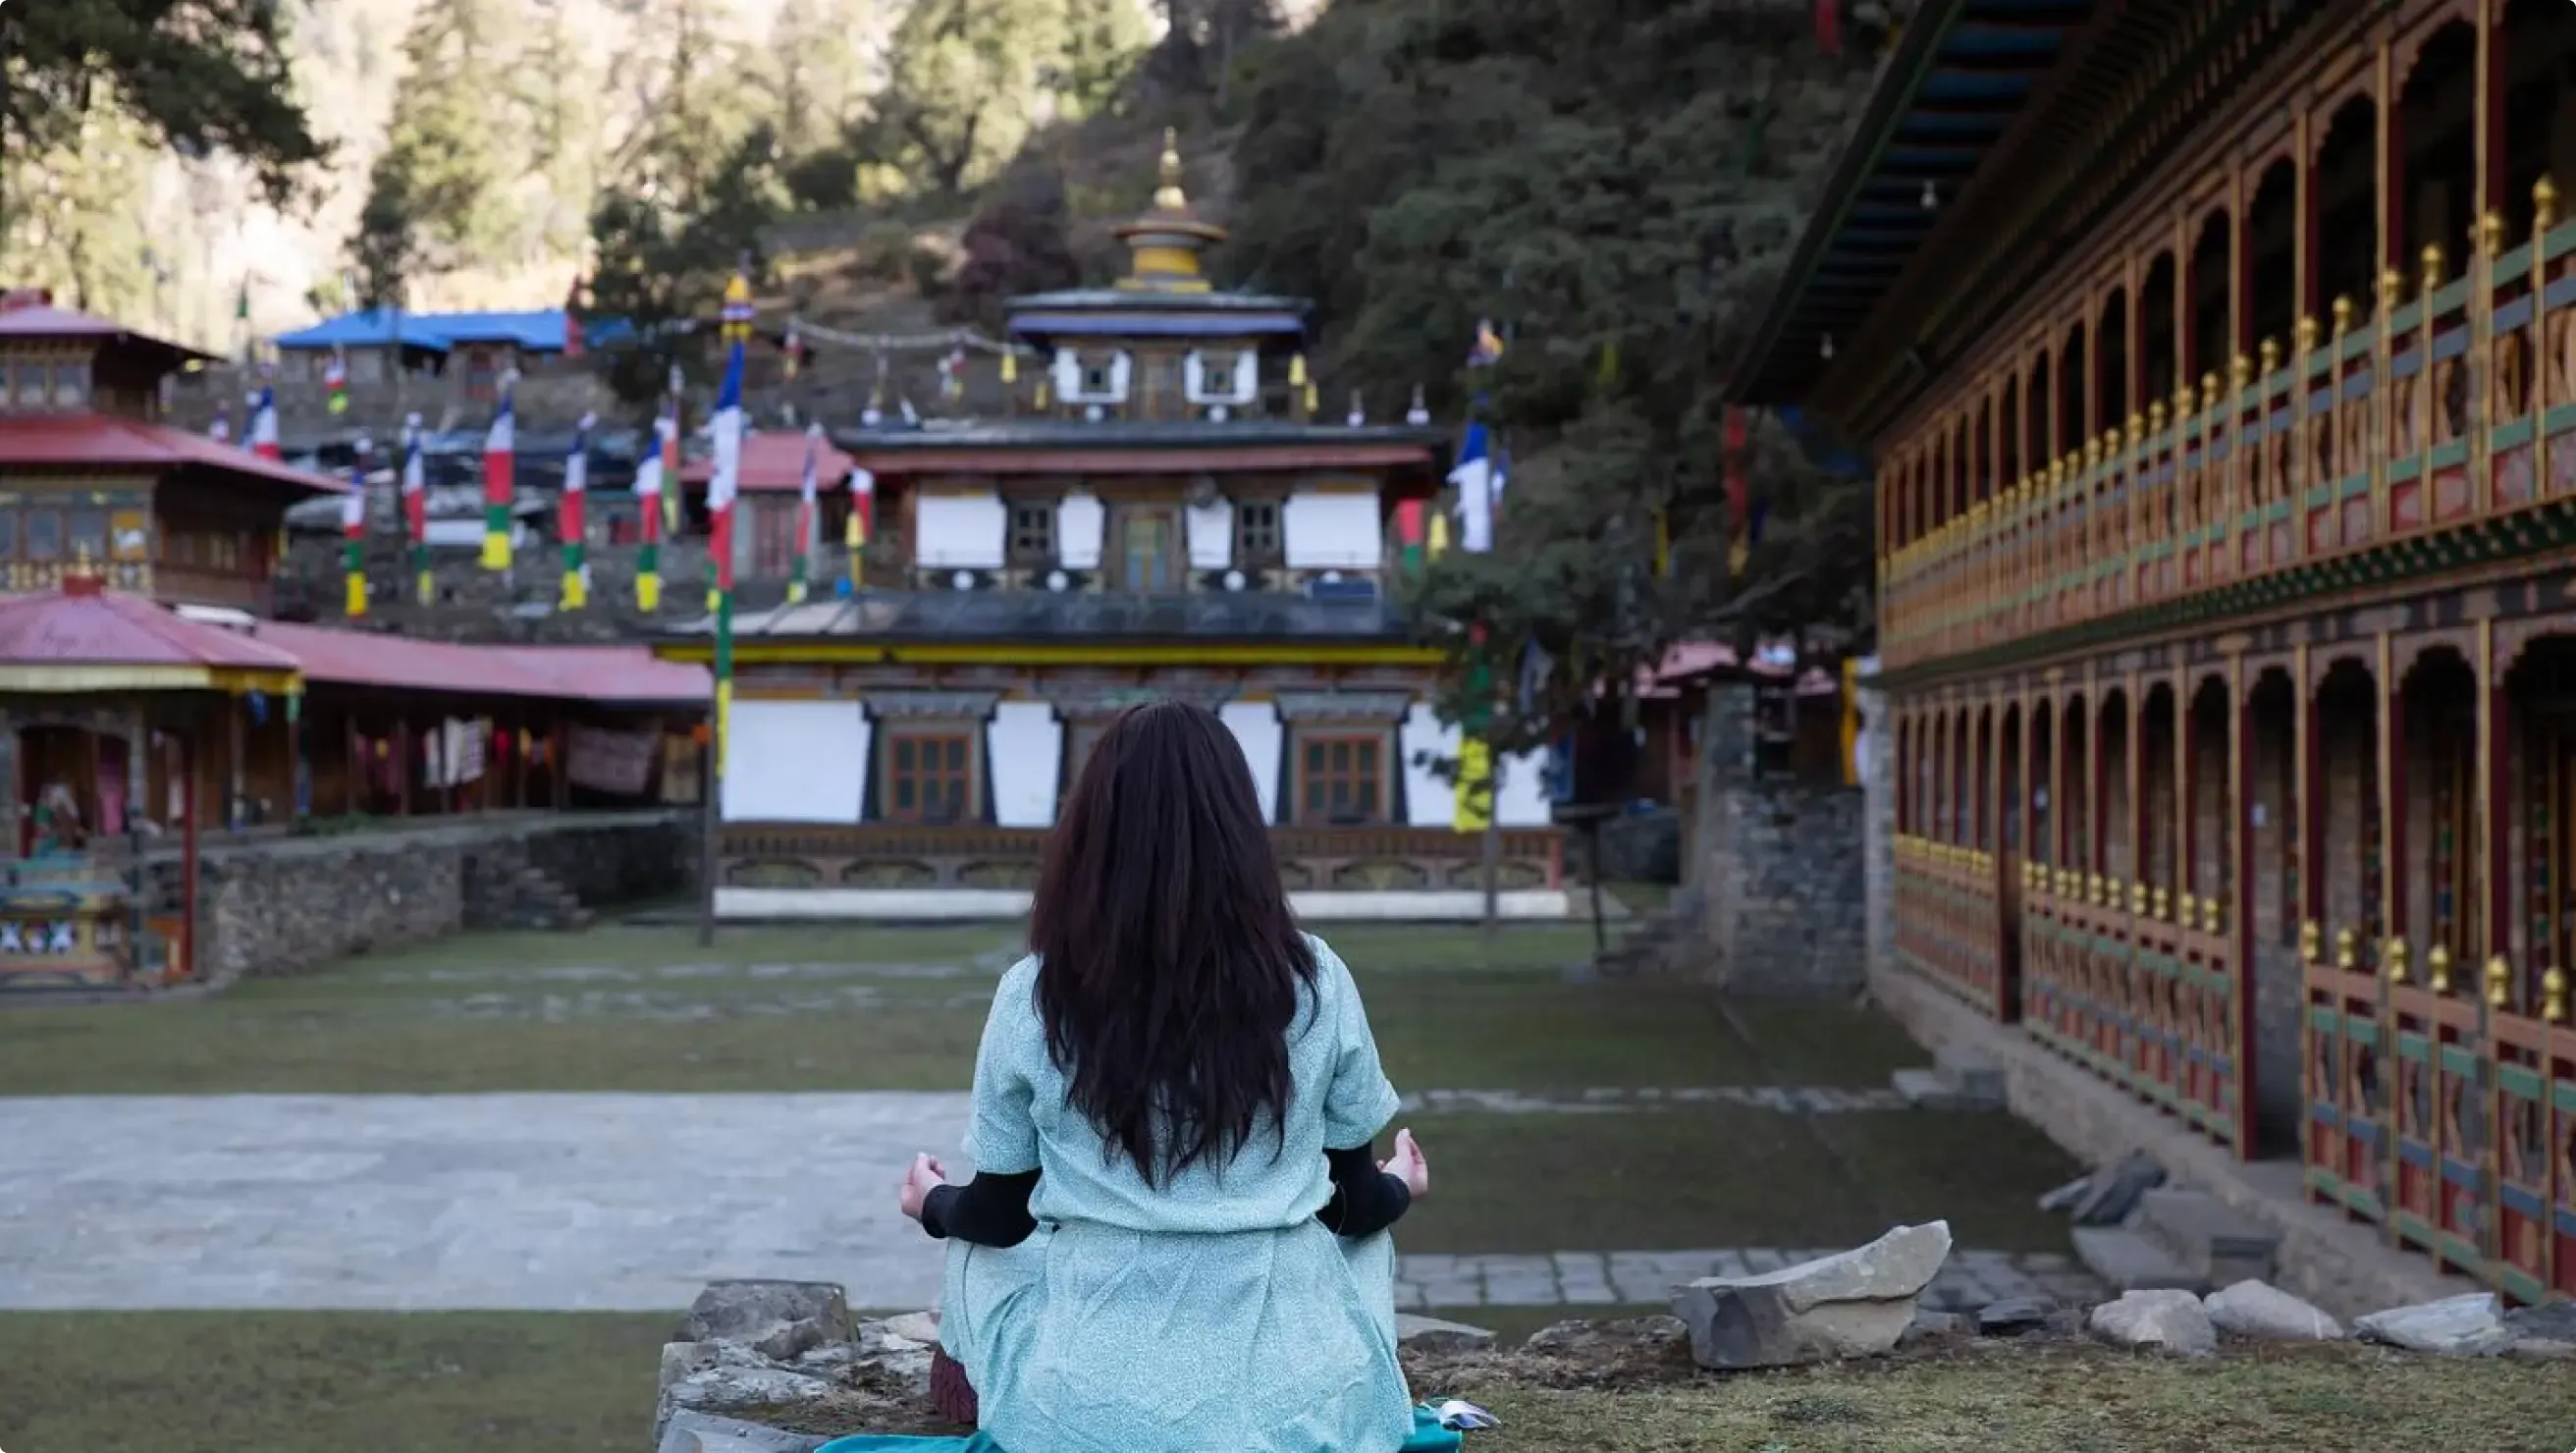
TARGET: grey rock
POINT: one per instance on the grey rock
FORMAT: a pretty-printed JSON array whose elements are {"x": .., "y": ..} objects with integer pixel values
[
  {"x": 922, "y": 1327},
  {"x": 2548, "y": 1330},
  {"x": 2067, "y": 1196},
  {"x": 2471, "y": 1325},
  {"x": 2167, "y": 1321},
  {"x": 2012, "y": 1316},
  {"x": 1973, "y": 1075},
  {"x": 830, "y": 1358},
  {"x": 1858, "y": 1303},
  {"x": 1430, "y": 1334},
  {"x": 1645, "y": 1334},
  {"x": 2219, "y": 1243},
  {"x": 2116, "y": 1190},
  {"x": 1933, "y": 1326},
  {"x": 2261, "y": 1310},
  {"x": 2127, "y": 1259},
  {"x": 696, "y": 1432},
  {"x": 777, "y": 1319},
  {"x": 732, "y": 1387}
]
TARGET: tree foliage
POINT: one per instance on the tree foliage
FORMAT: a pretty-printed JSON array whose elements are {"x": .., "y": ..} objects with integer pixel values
[
  {"x": 442, "y": 194},
  {"x": 969, "y": 80},
  {"x": 663, "y": 258},
  {"x": 1612, "y": 183},
  {"x": 203, "y": 76}
]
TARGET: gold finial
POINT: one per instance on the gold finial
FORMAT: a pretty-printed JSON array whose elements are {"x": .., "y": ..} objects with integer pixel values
[
  {"x": 2189, "y": 904},
  {"x": 2158, "y": 906},
  {"x": 2270, "y": 348},
  {"x": 2499, "y": 983},
  {"x": 2138, "y": 426},
  {"x": 2156, "y": 413},
  {"x": 2311, "y": 942},
  {"x": 2392, "y": 287},
  {"x": 2347, "y": 950},
  {"x": 2208, "y": 391},
  {"x": 2342, "y": 314},
  {"x": 1168, "y": 197},
  {"x": 2303, "y": 334},
  {"x": 2490, "y": 232},
  {"x": 2056, "y": 473},
  {"x": 2437, "y": 963},
  {"x": 2393, "y": 952},
  {"x": 2182, "y": 401},
  {"x": 2544, "y": 205},
  {"x": 2241, "y": 369},
  {"x": 2137, "y": 898},
  {"x": 2553, "y": 996},
  {"x": 2093, "y": 451},
  {"x": 2209, "y": 914},
  {"x": 2432, "y": 266}
]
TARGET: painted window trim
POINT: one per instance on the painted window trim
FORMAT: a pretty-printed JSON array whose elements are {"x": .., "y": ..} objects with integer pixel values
[
  {"x": 929, "y": 729},
  {"x": 1381, "y": 738}
]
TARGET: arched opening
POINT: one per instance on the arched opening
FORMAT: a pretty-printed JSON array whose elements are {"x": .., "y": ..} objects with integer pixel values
[
  {"x": 2076, "y": 813},
  {"x": 2346, "y": 199},
  {"x": 2272, "y": 301},
  {"x": 2211, "y": 299},
  {"x": 2013, "y": 791},
  {"x": 2161, "y": 350},
  {"x": 2347, "y": 711},
  {"x": 1982, "y": 442},
  {"x": 2539, "y": 104},
  {"x": 2441, "y": 908},
  {"x": 2008, "y": 434},
  {"x": 2071, "y": 424},
  {"x": 2437, "y": 118},
  {"x": 2037, "y": 447},
  {"x": 2270, "y": 815},
  {"x": 1962, "y": 826},
  {"x": 2112, "y": 400},
  {"x": 1983, "y": 812},
  {"x": 2117, "y": 830},
  {"x": 1962, "y": 469},
  {"x": 1909, "y": 780},
  {"x": 2160, "y": 851}
]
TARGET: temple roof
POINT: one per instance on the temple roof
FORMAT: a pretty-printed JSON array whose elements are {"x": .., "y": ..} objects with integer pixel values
[
  {"x": 112, "y": 440},
  {"x": 86, "y": 638},
  {"x": 31, "y": 316},
  {"x": 1071, "y": 617},
  {"x": 608, "y": 675},
  {"x": 1066, "y": 446},
  {"x": 773, "y": 461}
]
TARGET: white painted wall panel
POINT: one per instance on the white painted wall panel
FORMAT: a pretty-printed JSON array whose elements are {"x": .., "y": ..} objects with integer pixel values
[
  {"x": 1078, "y": 523},
  {"x": 1522, "y": 802},
  {"x": 1027, "y": 742},
  {"x": 1211, "y": 535},
  {"x": 1428, "y": 800},
  {"x": 1333, "y": 532},
  {"x": 796, "y": 761},
  {"x": 958, "y": 531},
  {"x": 1256, "y": 729}
]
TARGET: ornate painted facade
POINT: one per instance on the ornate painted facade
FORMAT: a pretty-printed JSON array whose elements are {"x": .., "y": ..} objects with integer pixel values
[
  {"x": 1160, "y": 514},
  {"x": 2219, "y": 367}
]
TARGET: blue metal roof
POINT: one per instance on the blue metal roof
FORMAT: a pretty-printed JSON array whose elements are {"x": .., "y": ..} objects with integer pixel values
[
  {"x": 1962, "y": 72},
  {"x": 541, "y": 331}
]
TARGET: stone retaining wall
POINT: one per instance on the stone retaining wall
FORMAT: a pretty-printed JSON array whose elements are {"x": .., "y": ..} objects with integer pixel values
[{"x": 283, "y": 905}]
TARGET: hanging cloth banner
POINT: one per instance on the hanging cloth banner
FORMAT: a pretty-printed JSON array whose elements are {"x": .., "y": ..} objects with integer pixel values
[
  {"x": 500, "y": 475},
  {"x": 576, "y": 491},
  {"x": 353, "y": 530},
  {"x": 611, "y": 761}
]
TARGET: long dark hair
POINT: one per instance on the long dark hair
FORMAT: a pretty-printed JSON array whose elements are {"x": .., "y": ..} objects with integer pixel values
[{"x": 1169, "y": 965}]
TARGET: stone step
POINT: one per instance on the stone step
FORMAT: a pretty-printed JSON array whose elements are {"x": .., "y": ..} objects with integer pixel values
[
  {"x": 2130, "y": 1260},
  {"x": 1934, "y": 1089},
  {"x": 1971, "y": 1073},
  {"x": 2215, "y": 1241}
]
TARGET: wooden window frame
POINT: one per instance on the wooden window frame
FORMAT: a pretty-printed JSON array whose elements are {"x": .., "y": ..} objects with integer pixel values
[
  {"x": 1379, "y": 740},
  {"x": 890, "y": 773},
  {"x": 1037, "y": 517},
  {"x": 1114, "y": 557},
  {"x": 1246, "y": 551}
]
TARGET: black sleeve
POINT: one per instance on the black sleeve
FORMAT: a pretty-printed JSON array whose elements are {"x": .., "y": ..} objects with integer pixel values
[
  {"x": 989, "y": 1210},
  {"x": 1365, "y": 1200}
]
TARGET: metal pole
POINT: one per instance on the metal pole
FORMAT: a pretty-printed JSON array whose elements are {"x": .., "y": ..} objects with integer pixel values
[{"x": 710, "y": 809}]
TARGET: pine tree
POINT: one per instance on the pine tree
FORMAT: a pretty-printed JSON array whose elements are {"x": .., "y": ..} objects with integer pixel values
[
  {"x": 442, "y": 196},
  {"x": 965, "y": 84}
]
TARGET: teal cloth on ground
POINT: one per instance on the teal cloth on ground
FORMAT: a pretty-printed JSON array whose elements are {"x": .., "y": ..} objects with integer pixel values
[
  {"x": 1212, "y": 1311},
  {"x": 1428, "y": 1437}
]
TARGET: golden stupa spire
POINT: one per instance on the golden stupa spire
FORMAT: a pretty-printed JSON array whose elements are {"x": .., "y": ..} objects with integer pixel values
[{"x": 1168, "y": 197}]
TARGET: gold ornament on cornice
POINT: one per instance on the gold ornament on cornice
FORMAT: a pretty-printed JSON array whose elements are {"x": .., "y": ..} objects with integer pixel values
[
  {"x": 2303, "y": 334},
  {"x": 2553, "y": 996},
  {"x": 2241, "y": 370},
  {"x": 2342, "y": 314},
  {"x": 2433, "y": 266},
  {"x": 2437, "y": 965},
  {"x": 2208, "y": 391},
  {"x": 2392, "y": 287},
  {"x": 2544, "y": 206},
  {"x": 2137, "y": 430},
  {"x": 2393, "y": 953},
  {"x": 2311, "y": 942},
  {"x": 2499, "y": 983},
  {"x": 2490, "y": 233},
  {"x": 2347, "y": 950},
  {"x": 2156, "y": 413},
  {"x": 1168, "y": 197},
  {"x": 2270, "y": 348}
]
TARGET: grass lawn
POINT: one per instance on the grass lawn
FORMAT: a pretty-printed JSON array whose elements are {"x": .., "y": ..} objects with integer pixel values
[
  {"x": 331, "y": 1383},
  {"x": 646, "y": 1009}
]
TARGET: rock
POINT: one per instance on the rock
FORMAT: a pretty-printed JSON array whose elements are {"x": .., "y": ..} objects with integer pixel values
[
  {"x": 826, "y": 1360},
  {"x": 2116, "y": 1189},
  {"x": 1855, "y": 1304},
  {"x": 922, "y": 1327},
  {"x": 1931, "y": 1326},
  {"x": 2461, "y": 1326},
  {"x": 2170, "y": 1321},
  {"x": 2012, "y": 1316},
  {"x": 732, "y": 1387},
  {"x": 777, "y": 1319},
  {"x": 2259, "y": 1309},
  {"x": 2548, "y": 1330},
  {"x": 2065, "y": 1197},
  {"x": 1430, "y": 1334},
  {"x": 1643, "y": 1334},
  {"x": 695, "y": 1432}
]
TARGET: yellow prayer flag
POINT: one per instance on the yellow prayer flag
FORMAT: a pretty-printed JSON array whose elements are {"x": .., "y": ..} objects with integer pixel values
[{"x": 1475, "y": 791}]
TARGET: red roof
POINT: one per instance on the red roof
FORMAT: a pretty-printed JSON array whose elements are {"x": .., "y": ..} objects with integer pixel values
[
  {"x": 110, "y": 440},
  {"x": 776, "y": 461},
  {"x": 32, "y": 314},
  {"x": 82, "y": 625},
  {"x": 607, "y": 674}
]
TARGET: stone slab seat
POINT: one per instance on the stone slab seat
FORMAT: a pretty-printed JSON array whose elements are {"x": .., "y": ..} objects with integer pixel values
[
  {"x": 2128, "y": 1259},
  {"x": 2214, "y": 1241}
]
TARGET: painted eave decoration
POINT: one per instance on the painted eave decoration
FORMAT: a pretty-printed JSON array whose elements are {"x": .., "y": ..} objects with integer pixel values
[{"x": 1956, "y": 84}]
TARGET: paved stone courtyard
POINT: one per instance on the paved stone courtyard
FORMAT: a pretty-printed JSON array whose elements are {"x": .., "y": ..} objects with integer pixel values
[{"x": 559, "y": 1202}]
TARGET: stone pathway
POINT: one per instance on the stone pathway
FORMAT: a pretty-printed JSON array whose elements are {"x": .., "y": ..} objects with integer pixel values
[
  {"x": 1969, "y": 1280},
  {"x": 1787, "y": 1099},
  {"x": 597, "y": 1202}
]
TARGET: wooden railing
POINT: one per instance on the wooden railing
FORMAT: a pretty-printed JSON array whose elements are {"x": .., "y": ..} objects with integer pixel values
[
  {"x": 1949, "y": 925},
  {"x": 2399, "y": 436},
  {"x": 2441, "y": 1105}
]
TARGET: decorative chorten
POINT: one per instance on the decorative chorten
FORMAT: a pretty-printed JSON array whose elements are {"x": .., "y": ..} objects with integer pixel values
[{"x": 1164, "y": 245}]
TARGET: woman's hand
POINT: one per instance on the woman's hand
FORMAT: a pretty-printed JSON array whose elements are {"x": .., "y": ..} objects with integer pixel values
[
  {"x": 925, "y": 1176},
  {"x": 1408, "y": 1166}
]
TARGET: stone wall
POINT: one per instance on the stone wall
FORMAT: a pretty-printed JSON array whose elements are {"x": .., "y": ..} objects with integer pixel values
[
  {"x": 1642, "y": 847},
  {"x": 283, "y": 905},
  {"x": 470, "y": 603}
]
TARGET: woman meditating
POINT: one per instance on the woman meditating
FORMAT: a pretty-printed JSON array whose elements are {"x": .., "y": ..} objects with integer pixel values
[{"x": 1175, "y": 1239}]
